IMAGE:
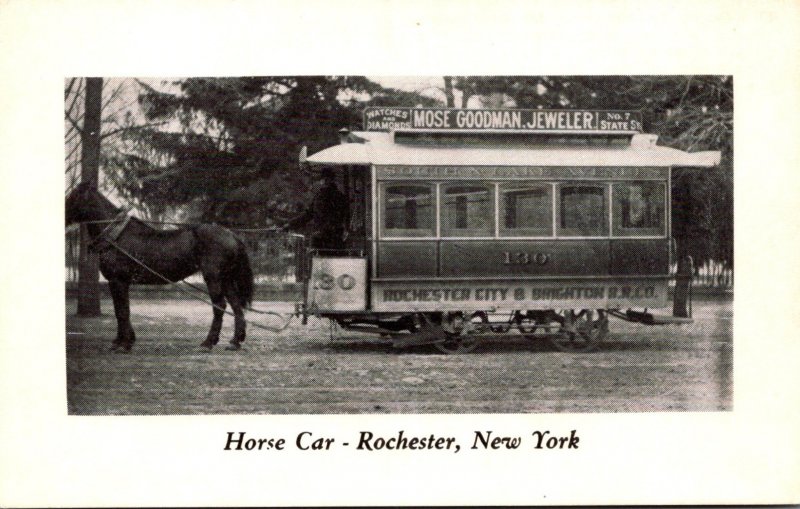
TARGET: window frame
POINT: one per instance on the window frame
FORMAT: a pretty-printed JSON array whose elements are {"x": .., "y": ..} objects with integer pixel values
[
  {"x": 403, "y": 233},
  {"x": 617, "y": 231},
  {"x": 611, "y": 213},
  {"x": 452, "y": 232},
  {"x": 502, "y": 232},
  {"x": 567, "y": 233}
]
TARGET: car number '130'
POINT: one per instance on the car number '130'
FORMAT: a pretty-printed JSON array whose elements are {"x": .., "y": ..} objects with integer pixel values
[
  {"x": 327, "y": 282},
  {"x": 523, "y": 258}
]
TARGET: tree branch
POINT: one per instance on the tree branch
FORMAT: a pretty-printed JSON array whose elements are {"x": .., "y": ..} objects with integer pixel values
[
  {"x": 72, "y": 152},
  {"x": 113, "y": 94},
  {"x": 69, "y": 87},
  {"x": 685, "y": 92},
  {"x": 74, "y": 99},
  {"x": 131, "y": 128},
  {"x": 73, "y": 122}
]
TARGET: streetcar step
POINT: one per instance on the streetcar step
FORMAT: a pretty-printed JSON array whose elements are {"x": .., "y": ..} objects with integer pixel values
[{"x": 651, "y": 319}]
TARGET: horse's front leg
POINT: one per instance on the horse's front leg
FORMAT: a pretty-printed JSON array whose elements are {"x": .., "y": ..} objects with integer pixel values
[
  {"x": 218, "y": 300},
  {"x": 122, "y": 310}
]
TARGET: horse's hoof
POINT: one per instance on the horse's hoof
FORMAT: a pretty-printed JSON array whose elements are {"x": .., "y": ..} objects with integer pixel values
[
  {"x": 205, "y": 348},
  {"x": 233, "y": 346}
]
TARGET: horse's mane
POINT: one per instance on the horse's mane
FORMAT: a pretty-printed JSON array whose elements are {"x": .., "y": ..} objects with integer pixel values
[
  {"x": 154, "y": 231},
  {"x": 149, "y": 228}
]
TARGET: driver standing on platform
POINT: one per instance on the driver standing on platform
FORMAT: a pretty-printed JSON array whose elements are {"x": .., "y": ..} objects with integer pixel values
[{"x": 326, "y": 214}]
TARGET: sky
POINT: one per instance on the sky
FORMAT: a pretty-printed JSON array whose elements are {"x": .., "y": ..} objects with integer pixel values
[
  {"x": 410, "y": 83},
  {"x": 431, "y": 86}
]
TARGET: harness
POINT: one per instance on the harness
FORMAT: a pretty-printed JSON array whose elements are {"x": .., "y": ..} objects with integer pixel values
[
  {"x": 107, "y": 239},
  {"x": 111, "y": 233}
]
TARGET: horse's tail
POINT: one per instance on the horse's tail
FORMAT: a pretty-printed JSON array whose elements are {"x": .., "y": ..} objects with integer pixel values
[{"x": 243, "y": 275}]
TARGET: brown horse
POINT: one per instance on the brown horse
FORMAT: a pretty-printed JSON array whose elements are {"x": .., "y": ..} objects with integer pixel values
[{"x": 211, "y": 249}]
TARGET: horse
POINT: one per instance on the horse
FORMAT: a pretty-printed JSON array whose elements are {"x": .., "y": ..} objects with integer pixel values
[{"x": 132, "y": 252}]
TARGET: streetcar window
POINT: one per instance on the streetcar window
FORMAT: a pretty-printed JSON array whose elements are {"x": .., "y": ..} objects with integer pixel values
[
  {"x": 639, "y": 208},
  {"x": 467, "y": 210},
  {"x": 408, "y": 210},
  {"x": 527, "y": 210},
  {"x": 582, "y": 211}
]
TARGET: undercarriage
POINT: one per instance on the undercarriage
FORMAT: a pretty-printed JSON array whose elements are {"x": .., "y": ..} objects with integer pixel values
[{"x": 461, "y": 332}]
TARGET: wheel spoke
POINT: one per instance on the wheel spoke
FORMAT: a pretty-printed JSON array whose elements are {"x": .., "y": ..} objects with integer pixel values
[
  {"x": 459, "y": 338},
  {"x": 580, "y": 332},
  {"x": 457, "y": 345}
]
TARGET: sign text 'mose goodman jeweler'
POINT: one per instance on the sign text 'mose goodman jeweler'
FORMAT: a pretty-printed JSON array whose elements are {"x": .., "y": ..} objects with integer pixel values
[{"x": 387, "y": 119}]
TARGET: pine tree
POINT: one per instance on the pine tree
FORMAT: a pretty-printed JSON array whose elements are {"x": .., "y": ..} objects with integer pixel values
[{"x": 231, "y": 149}]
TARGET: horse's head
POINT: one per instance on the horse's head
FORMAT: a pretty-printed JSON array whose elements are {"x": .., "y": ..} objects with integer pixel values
[
  {"x": 82, "y": 204},
  {"x": 73, "y": 212}
]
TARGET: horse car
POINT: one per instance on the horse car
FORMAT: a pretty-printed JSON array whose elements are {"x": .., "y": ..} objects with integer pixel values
[{"x": 463, "y": 223}]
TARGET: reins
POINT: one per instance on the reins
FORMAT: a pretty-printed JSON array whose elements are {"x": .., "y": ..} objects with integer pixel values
[
  {"x": 111, "y": 242},
  {"x": 173, "y": 223},
  {"x": 203, "y": 299}
]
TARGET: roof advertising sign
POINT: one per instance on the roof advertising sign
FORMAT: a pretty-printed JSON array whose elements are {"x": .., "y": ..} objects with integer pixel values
[{"x": 547, "y": 121}]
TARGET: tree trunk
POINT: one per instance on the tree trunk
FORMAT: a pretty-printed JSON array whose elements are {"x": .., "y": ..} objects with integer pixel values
[
  {"x": 681, "y": 199},
  {"x": 88, "y": 270},
  {"x": 683, "y": 282},
  {"x": 448, "y": 92},
  {"x": 466, "y": 94}
]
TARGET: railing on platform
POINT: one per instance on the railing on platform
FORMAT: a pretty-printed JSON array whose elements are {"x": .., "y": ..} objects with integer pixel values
[
  {"x": 72, "y": 245},
  {"x": 275, "y": 256},
  {"x": 712, "y": 275}
]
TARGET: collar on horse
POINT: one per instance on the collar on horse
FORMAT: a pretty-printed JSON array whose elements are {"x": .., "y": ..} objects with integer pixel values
[{"x": 111, "y": 233}]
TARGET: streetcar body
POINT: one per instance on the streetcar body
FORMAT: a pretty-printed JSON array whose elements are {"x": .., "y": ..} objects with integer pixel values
[{"x": 503, "y": 211}]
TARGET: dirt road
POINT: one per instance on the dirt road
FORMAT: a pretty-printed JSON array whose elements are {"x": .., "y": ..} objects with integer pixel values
[{"x": 303, "y": 371}]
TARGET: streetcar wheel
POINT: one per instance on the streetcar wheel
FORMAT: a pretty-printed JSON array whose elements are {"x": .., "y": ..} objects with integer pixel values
[
  {"x": 526, "y": 330},
  {"x": 457, "y": 345},
  {"x": 581, "y": 333},
  {"x": 460, "y": 339},
  {"x": 479, "y": 321},
  {"x": 546, "y": 328}
]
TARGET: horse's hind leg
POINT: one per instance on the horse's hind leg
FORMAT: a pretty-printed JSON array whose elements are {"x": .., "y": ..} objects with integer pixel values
[
  {"x": 218, "y": 299},
  {"x": 238, "y": 313},
  {"x": 122, "y": 310}
]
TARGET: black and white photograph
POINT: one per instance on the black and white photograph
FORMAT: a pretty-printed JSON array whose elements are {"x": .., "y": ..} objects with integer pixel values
[
  {"x": 380, "y": 253},
  {"x": 437, "y": 244}
]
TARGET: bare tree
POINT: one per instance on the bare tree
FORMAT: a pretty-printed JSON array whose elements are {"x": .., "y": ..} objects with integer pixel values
[{"x": 89, "y": 272}]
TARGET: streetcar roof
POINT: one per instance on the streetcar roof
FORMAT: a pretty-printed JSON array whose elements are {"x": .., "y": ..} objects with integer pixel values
[{"x": 382, "y": 148}]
